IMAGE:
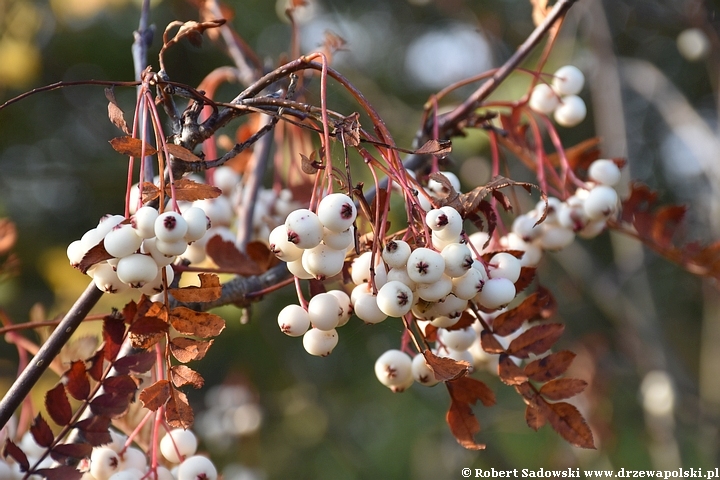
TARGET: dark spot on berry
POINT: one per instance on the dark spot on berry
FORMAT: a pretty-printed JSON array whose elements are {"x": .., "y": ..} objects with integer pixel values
[
  {"x": 391, "y": 372},
  {"x": 391, "y": 246},
  {"x": 402, "y": 298},
  {"x": 293, "y": 237},
  {"x": 422, "y": 267},
  {"x": 424, "y": 379},
  {"x": 169, "y": 222},
  {"x": 346, "y": 211},
  {"x": 442, "y": 220},
  {"x": 467, "y": 262},
  {"x": 480, "y": 286}
]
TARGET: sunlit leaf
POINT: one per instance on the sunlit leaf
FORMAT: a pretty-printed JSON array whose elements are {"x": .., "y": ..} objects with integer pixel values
[
  {"x": 209, "y": 290},
  {"x": 156, "y": 395}
]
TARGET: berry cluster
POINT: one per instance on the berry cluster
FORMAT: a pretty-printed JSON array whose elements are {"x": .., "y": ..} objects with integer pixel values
[{"x": 562, "y": 97}]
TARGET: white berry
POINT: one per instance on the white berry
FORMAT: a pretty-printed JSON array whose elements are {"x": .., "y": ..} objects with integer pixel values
[
  {"x": 422, "y": 373},
  {"x": 170, "y": 227},
  {"x": 323, "y": 261},
  {"x": 178, "y": 441},
  {"x": 571, "y": 111},
  {"x": 324, "y": 311},
  {"x": 337, "y": 212},
  {"x": 344, "y": 304},
  {"x": 144, "y": 221},
  {"x": 303, "y": 228},
  {"x": 197, "y": 222},
  {"x": 293, "y": 320},
  {"x": 396, "y": 253},
  {"x": 122, "y": 240},
  {"x": 136, "y": 270},
  {"x": 394, "y": 370},
  {"x": 395, "y": 299},
  {"x": 425, "y": 265},
  {"x": 601, "y": 202},
  {"x": 496, "y": 292},
  {"x": 281, "y": 247},
  {"x": 103, "y": 463},
  {"x": 197, "y": 468},
  {"x": 504, "y": 265},
  {"x": 543, "y": 99},
  {"x": 568, "y": 80},
  {"x": 319, "y": 342},
  {"x": 605, "y": 172}
]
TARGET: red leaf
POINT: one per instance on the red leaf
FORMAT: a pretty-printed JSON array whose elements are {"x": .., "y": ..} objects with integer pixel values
[
  {"x": 97, "y": 364},
  {"x": 537, "y": 340},
  {"x": 209, "y": 290},
  {"x": 226, "y": 256},
  {"x": 58, "y": 405},
  {"x": 113, "y": 335},
  {"x": 463, "y": 425},
  {"x": 665, "y": 224},
  {"x": 509, "y": 372},
  {"x": 178, "y": 412},
  {"x": 566, "y": 420},
  {"x": 64, "y": 451},
  {"x": 78, "y": 384},
  {"x": 187, "y": 349},
  {"x": 470, "y": 390},
  {"x": 120, "y": 385},
  {"x": 550, "y": 366},
  {"x": 538, "y": 305},
  {"x": 562, "y": 388},
  {"x": 156, "y": 395},
  {"x": 445, "y": 369},
  {"x": 466, "y": 320},
  {"x": 200, "y": 324},
  {"x": 41, "y": 432},
  {"x": 110, "y": 405},
  {"x": 62, "y": 472},
  {"x": 182, "y": 376},
  {"x": 261, "y": 254},
  {"x": 95, "y": 430},
  {"x": 137, "y": 363},
  {"x": 533, "y": 417},
  {"x": 95, "y": 255},
  {"x": 527, "y": 275},
  {"x": 12, "y": 450}
]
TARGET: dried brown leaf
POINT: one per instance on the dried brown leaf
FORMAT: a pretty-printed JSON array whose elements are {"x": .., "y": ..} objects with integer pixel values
[
  {"x": 444, "y": 368},
  {"x": 562, "y": 388},
  {"x": 58, "y": 405},
  {"x": 463, "y": 425},
  {"x": 527, "y": 275},
  {"x": 120, "y": 385},
  {"x": 182, "y": 153},
  {"x": 209, "y": 290},
  {"x": 566, "y": 420},
  {"x": 178, "y": 412},
  {"x": 537, "y": 340},
  {"x": 115, "y": 113},
  {"x": 182, "y": 375},
  {"x": 186, "y": 349},
  {"x": 308, "y": 164},
  {"x": 109, "y": 405},
  {"x": 200, "y": 324},
  {"x": 538, "y": 305},
  {"x": 150, "y": 192},
  {"x": 349, "y": 128},
  {"x": 227, "y": 257},
  {"x": 466, "y": 320},
  {"x": 61, "y": 453},
  {"x": 156, "y": 395},
  {"x": 440, "y": 148},
  {"x": 147, "y": 331},
  {"x": 470, "y": 390},
  {"x": 61, "y": 472},
  {"x": 95, "y": 255},
  {"x": 509, "y": 372},
  {"x": 12, "y": 450},
  {"x": 136, "y": 363},
  {"x": 534, "y": 418},
  {"x": 131, "y": 146},
  {"x": 187, "y": 190},
  {"x": 489, "y": 343},
  {"x": 549, "y": 367},
  {"x": 113, "y": 334}
]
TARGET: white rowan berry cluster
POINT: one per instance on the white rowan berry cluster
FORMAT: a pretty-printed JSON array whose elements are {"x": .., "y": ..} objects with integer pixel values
[{"x": 562, "y": 97}]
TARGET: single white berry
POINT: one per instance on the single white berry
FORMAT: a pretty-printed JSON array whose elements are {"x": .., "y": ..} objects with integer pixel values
[
  {"x": 106, "y": 279},
  {"x": 496, "y": 292},
  {"x": 75, "y": 253},
  {"x": 197, "y": 468},
  {"x": 457, "y": 355},
  {"x": 149, "y": 246},
  {"x": 693, "y": 44},
  {"x": 543, "y": 99},
  {"x": 122, "y": 240},
  {"x": 91, "y": 238},
  {"x": 339, "y": 240},
  {"x": 470, "y": 284},
  {"x": 360, "y": 270},
  {"x": 303, "y": 228},
  {"x": 422, "y": 373},
  {"x": 156, "y": 285},
  {"x": 344, "y": 304},
  {"x": 194, "y": 254},
  {"x": 170, "y": 227},
  {"x": 324, "y": 311},
  {"x": 451, "y": 306},
  {"x": 460, "y": 339},
  {"x": 144, "y": 221},
  {"x": 171, "y": 249},
  {"x": 197, "y": 223},
  {"x": 504, "y": 265},
  {"x": 458, "y": 259},
  {"x": 117, "y": 441},
  {"x": 395, "y": 299},
  {"x": 133, "y": 458},
  {"x": 365, "y": 305},
  {"x": 568, "y": 80},
  {"x": 436, "y": 291},
  {"x": 532, "y": 251},
  {"x": 108, "y": 222},
  {"x": 320, "y": 342},
  {"x": 605, "y": 172},
  {"x": 394, "y": 370},
  {"x": 337, "y": 212},
  {"x": 525, "y": 226},
  {"x": 601, "y": 203},
  {"x": 571, "y": 111},
  {"x": 296, "y": 268},
  {"x": 445, "y": 222},
  {"x": 555, "y": 237},
  {"x": 396, "y": 253},
  {"x": 400, "y": 274},
  {"x": 218, "y": 210},
  {"x": 178, "y": 443},
  {"x": 226, "y": 179},
  {"x": 323, "y": 261},
  {"x": 136, "y": 270},
  {"x": 293, "y": 320},
  {"x": 103, "y": 463},
  {"x": 478, "y": 241},
  {"x": 130, "y": 474},
  {"x": 425, "y": 265},
  {"x": 281, "y": 247},
  {"x": 593, "y": 229}
]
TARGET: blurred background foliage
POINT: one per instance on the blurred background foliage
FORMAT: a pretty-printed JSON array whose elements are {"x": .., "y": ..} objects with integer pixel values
[{"x": 646, "y": 332}]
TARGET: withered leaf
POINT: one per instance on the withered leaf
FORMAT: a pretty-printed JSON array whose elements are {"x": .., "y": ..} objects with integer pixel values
[
  {"x": 489, "y": 343},
  {"x": 209, "y": 290},
  {"x": 58, "y": 405},
  {"x": 95, "y": 430},
  {"x": 182, "y": 153},
  {"x": 186, "y": 349},
  {"x": 444, "y": 368},
  {"x": 200, "y": 324},
  {"x": 470, "y": 201},
  {"x": 509, "y": 372},
  {"x": 150, "y": 192},
  {"x": 566, "y": 420},
  {"x": 431, "y": 333},
  {"x": 439, "y": 148},
  {"x": 187, "y": 190},
  {"x": 538, "y": 305},
  {"x": 109, "y": 405},
  {"x": 579, "y": 156},
  {"x": 156, "y": 395},
  {"x": 463, "y": 425},
  {"x": 470, "y": 390},
  {"x": 533, "y": 417},
  {"x": 349, "y": 128},
  {"x": 136, "y": 363},
  {"x": 178, "y": 412},
  {"x": 227, "y": 257},
  {"x": 147, "y": 331},
  {"x": 41, "y": 432},
  {"x": 562, "y": 388},
  {"x": 115, "y": 113},
  {"x": 129, "y": 311},
  {"x": 182, "y": 375},
  {"x": 131, "y": 146},
  {"x": 527, "y": 275},
  {"x": 261, "y": 254},
  {"x": 309, "y": 165},
  {"x": 95, "y": 255},
  {"x": 537, "y": 340},
  {"x": 193, "y": 30},
  {"x": 77, "y": 383},
  {"x": 62, "y": 452},
  {"x": 550, "y": 366},
  {"x": 666, "y": 223},
  {"x": 62, "y": 472},
  {"x": 12, "y": 450}
]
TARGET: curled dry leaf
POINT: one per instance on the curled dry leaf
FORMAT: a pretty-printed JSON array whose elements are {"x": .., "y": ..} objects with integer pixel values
[
  {"x": 308, "y": 164},
  {"x": 465, "y": 392},
  {"x": 439, "y": 148},
  {"x": 120, "y": 385},
  {"x": 136, "y": 363},
  {"x": 93, "y": 256},
  {"x": 150, "y": 192},
  {"x": 147, "y": 331},
  {"x": 185, "y": 349},
  {"x": 178, "y": 412},
  {"x": 534, "y": 418},
  {"x": 537, "y": 340},
  {"x": 115, "y": 113},
  {"x": 445, "y": 369},
  {"x": 550, "y": 366},
  {"x": 227, "y": 257},
  {"x": 349, "y": 128},
  {"x": 156, "y": 395},
  {"x": 490, "y": 344},
  {"x": 209, "y": 290},
  {"x": 182, "y": 375},
  {"x": 566, "y": 420},
  {"x": 466, "y": 320},
  {"x": 131, "y": 146},
  {"x": 199, "y": 324}
]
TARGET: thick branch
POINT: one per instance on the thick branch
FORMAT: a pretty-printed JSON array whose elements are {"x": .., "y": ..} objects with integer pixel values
[{"x": 49, "y": 350}]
